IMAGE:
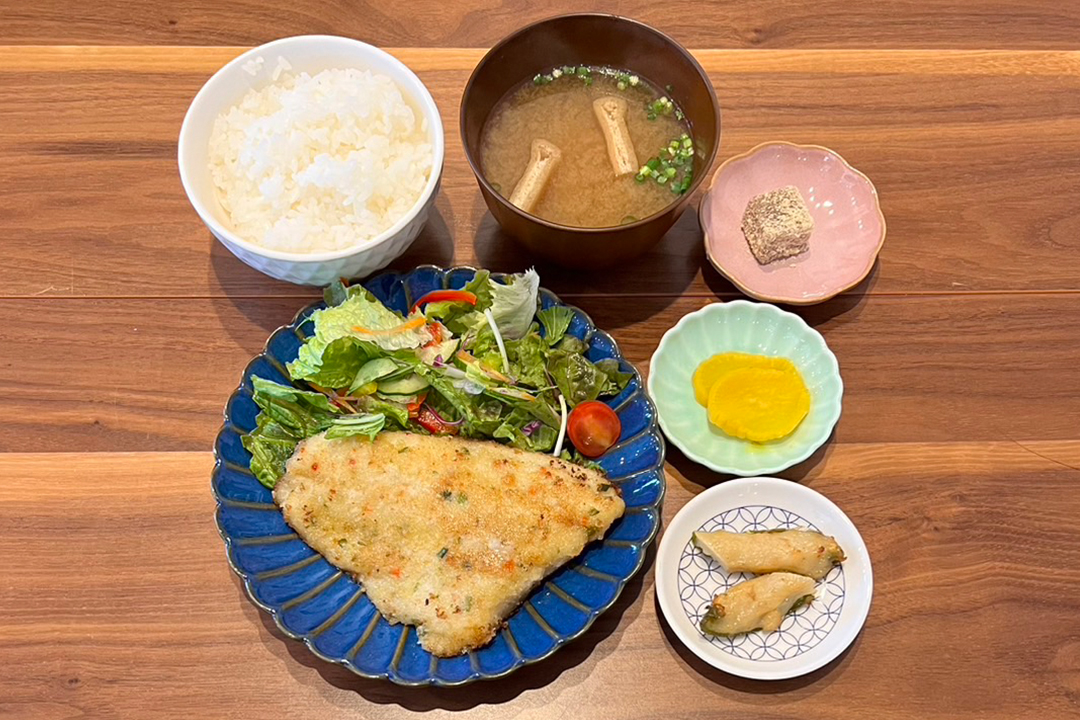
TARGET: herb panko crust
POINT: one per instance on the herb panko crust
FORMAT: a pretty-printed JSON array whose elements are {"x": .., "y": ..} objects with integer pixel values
[{"x": 446, "y": 534}]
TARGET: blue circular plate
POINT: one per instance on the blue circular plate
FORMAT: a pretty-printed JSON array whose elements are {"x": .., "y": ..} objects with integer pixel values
[{"x": 313, "y": 601}]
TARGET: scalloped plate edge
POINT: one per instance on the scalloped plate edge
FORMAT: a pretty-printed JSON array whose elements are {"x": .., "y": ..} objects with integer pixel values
[{"x": 308, "y": 638}]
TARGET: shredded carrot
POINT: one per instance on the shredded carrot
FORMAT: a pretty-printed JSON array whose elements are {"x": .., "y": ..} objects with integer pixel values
[{"x": 413, "y": 324}]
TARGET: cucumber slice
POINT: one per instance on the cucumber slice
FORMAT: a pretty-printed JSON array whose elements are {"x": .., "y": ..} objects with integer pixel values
[
  {"x": 409, "y": 385},
  {"x": 373, "y": 370}
]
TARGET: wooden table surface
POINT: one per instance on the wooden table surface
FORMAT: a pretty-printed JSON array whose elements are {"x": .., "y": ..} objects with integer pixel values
[{"x": 124, "y": 325}]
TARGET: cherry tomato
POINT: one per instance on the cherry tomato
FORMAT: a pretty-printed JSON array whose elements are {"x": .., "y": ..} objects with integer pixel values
[
  {"x": 430, "y": 421},
  {"x": 593, "y": 428}
]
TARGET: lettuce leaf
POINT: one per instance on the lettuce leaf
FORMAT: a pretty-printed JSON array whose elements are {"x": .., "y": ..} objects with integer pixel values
[
  {"x": 363, "y": 310},
  {"x": 395, "y": 411},
  {"x": 368, "y": 425},
  {"x": 335, "y": 365},
  {"x": 571, "y": 344},
  {"x": 555, "y": 319},
  {"x": 541, "y": 438},
  {"x": 513, "y": 305},
  {"x": 577, "y": 379},
  {"x": 480, "y": 286},
  {"x": 271, "y": 445},
  {"x": 482, "y": 415},
  {"x": 263, "y": 390},
  {"x": 449, "y": 312},
  {"x": 336, "y": 352},
  {"x": 617, "y": 379},
  {"x": 287, "y": 416},
  {"x": 527, "y": 360},
  {"x": 335, "y": 293}
]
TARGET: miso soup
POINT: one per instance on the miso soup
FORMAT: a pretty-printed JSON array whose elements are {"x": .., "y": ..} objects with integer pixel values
[{"x": 570, "y": 161}]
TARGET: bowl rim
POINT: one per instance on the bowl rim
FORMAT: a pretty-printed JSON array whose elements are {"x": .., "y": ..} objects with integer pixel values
[
  {"x": 420, "y": 94},
  {"x": 695, "y": 184},
  {"x": 733, "y": 279},
  {"x": 795, "y": 459}
]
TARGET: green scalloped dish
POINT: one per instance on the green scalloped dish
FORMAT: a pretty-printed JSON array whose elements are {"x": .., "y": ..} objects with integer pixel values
[{"x": 741, "y": 326}]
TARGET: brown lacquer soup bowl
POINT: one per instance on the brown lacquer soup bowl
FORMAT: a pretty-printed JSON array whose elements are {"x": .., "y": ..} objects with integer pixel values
[{"x": 600, "y": 41}]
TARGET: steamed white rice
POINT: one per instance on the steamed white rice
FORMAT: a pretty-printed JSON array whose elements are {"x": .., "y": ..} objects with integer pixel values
[{"x": 319, "y": 163}]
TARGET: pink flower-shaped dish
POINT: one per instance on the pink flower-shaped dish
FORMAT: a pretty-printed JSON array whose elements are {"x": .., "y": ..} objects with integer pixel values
[{"x": 849, "y": 228}]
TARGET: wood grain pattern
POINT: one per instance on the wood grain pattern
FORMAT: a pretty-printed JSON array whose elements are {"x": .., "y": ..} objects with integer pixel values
[
  {"x": 124, "y": 326},
  {"x": 154, "y": 374},
  {"x": 152, "y": 624},
  {"x": 974, "y": 176},
  {"x": 741, "y": 24}
]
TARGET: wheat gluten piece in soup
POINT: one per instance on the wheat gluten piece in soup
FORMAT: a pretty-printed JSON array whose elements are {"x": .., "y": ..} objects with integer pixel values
[{"x": 588, "y": 146}]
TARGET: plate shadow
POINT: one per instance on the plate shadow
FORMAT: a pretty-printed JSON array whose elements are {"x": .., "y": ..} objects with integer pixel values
[{"x": 581, "y": 653}]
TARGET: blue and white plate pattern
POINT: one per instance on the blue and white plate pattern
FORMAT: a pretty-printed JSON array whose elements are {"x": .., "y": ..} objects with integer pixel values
[
  {"x": 701, "y": 579},
  {"x": 312, "y": 601},
  {"x": 687, "y": 579}
]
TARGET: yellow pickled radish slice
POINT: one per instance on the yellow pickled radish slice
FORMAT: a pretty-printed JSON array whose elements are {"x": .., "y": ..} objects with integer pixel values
[
  {"x": 717, "y": 366},
  {"x": 759, "y": 404}
]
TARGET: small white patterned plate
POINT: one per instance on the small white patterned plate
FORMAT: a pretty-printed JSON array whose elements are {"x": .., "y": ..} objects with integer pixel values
[{"x": 687, "y": 579}]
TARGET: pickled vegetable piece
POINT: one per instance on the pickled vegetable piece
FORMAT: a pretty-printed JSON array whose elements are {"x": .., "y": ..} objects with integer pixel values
[
  {"x": 758, "y": 604},
  {"x": 803, "y": 552},
  {"x": 717, "y": 366},
  {"x": 759, "y": 404}
]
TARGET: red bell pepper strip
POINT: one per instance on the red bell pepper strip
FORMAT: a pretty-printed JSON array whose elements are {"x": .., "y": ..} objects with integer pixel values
[
  {"x": 414, "y": 407},
  {"x": 445, "y": 296}
]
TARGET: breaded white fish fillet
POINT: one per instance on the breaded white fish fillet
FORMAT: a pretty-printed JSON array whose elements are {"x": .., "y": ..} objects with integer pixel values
[{"x": 446, "y": 534}]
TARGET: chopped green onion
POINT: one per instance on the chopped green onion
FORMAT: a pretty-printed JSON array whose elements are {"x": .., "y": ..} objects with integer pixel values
[
  {"x": 634, "y": 80},
  {"x": 673, "y": 168},
  {"x": 679, "y": 115},
  {"x": 583, "y": 71},
  {"x": 628, "y": 219},
  {"x": 621, "y": 85},
  {"x": 556, "y": 73}
]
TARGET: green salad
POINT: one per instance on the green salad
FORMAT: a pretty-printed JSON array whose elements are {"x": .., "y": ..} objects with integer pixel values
[{"x": 480, "y": 362}]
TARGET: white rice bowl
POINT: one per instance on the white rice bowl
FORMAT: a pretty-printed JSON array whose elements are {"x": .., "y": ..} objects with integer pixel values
[{"x": 319, "y": 163}]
